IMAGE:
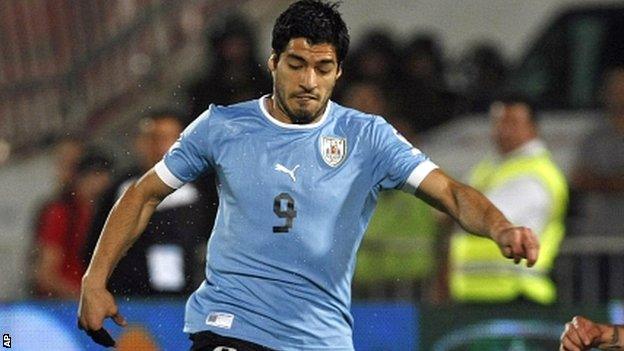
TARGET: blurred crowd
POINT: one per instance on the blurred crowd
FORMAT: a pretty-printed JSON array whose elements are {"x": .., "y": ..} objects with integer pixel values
[{"x": 406, "y": 82}]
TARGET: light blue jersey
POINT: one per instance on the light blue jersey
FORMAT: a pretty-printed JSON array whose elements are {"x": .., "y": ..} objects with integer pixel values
[{"x": 294, "y": 203}]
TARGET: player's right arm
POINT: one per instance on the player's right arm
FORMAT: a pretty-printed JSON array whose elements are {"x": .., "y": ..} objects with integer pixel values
[
  {"x": 583, "y": 334},
  {"x": 125, "y": 223}
]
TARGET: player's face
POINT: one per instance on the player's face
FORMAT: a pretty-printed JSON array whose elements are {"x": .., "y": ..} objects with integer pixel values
[{"x": 304, "y": 76}]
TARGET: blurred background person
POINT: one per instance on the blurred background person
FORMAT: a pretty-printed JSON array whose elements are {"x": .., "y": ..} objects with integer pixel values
[
  {"x": 62, "y": 228},
  {"x": 367, "y": 96},
  {"x": 374, "y": 59},
  {"x": 68, "y": 150},
  {"x": 529, "y": 188},
  {"x": 599, "y": 173},
  {"x": 422, "y": 94},
  {"x": 234, "y": 74},
  {"x": 167, "y": 258},
  {"x": 598, "y": 180},
  {"x": 485, "y": 72}
]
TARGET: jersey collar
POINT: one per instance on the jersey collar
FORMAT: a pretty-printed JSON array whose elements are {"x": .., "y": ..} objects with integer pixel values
[{"x": 279, "y": 123}]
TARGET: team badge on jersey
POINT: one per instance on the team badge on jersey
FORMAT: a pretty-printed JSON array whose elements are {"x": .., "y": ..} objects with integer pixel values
[{"x": 333, "y": 150}]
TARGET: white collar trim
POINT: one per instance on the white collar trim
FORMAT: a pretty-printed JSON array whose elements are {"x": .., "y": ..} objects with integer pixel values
[
  {"x": 290, "y": 125},
  {"x": 530, "y": 148}
]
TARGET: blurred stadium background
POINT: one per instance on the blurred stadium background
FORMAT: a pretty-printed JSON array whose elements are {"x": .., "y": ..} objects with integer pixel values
[{"x": 92, "y": 67}]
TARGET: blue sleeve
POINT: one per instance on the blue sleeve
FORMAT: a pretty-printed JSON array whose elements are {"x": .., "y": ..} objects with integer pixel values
[
  {"x": 395, "y": 159},
  {"x": 191, "y": 155}
]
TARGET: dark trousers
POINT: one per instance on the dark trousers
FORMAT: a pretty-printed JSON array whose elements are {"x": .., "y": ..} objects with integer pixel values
[{"x": 209, "y": 341}]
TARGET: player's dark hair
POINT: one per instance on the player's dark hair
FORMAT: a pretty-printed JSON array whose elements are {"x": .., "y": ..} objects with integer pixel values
[
  {"x": 514, "y": 98},
  {"x": 317, "y": 21}
]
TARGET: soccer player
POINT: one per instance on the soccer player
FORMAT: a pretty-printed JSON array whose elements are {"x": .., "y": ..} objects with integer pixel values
[
  {"x": 298, "y": 178},
  {"x": 583, "y": 334}
]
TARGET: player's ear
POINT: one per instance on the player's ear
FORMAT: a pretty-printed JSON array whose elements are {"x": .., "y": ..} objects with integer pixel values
[
  {"x": 339, "y": 73},
  {"x": 272, "y": 62}
]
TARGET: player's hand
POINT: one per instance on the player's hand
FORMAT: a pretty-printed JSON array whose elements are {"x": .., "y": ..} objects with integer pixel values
[
  {"x": 580, "y": 334},
  {"x": 97, "y": 304},
  {"x": 518, "y": 243}
]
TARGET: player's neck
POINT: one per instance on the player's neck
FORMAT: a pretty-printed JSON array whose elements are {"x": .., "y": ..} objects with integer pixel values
[{"x": 275, "y": 111}]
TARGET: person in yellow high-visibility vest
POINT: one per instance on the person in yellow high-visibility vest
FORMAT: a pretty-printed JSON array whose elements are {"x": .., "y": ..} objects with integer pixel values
[{"x": 527, "y": 186}]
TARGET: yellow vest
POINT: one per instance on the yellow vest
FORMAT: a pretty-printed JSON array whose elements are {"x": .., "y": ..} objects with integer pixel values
[
  {"x": 478, "y": 271},
  {"x": 399, "y": 241}
]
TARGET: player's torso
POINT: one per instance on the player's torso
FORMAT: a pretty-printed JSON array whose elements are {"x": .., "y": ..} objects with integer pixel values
[
  {"x": 297, "y": 193},
  {"x": 293, "y": 205}
]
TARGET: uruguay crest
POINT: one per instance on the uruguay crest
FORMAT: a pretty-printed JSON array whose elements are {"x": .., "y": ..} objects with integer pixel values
[{"x": 333, "y": 150}]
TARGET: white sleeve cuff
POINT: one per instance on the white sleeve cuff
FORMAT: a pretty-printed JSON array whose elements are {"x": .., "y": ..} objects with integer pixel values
[
  {"x": 166, "y": 176},
  {"x": 418, "y": 175}
]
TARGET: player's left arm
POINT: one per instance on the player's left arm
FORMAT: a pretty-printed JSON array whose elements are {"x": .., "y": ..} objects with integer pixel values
[{"x": 477, "y": 215}]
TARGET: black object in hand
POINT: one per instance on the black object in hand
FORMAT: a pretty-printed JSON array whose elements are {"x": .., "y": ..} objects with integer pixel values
[{"x": 100, "y": 336}]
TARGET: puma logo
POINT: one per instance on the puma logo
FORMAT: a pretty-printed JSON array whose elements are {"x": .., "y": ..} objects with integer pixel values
[{"x": 281, "y": 168}]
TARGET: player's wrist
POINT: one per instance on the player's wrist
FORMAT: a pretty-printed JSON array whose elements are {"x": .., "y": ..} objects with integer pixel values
[
  {"x": 90, "y": 281},
  {"x": 610, "y": 338},
  {"x": 498, "y": 229}
]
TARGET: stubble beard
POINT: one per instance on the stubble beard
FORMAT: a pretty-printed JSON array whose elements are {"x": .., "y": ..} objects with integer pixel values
[
  {"x": 299, "y": 116},
  {"x": 296, "y": 117}
]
